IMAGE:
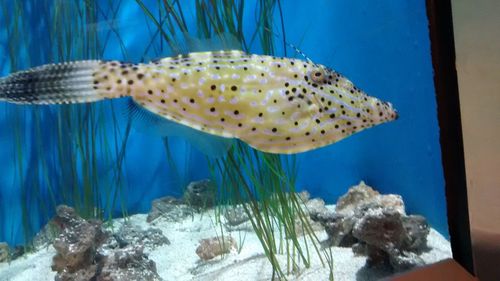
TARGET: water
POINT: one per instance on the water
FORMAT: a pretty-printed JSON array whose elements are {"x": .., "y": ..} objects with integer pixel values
[{"x": 88, "y": 157}]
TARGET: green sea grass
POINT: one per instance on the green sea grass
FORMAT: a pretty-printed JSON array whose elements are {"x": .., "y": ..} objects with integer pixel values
[
  {"x": 58, "y": 147},
  {"x": 264, "y": 184}
]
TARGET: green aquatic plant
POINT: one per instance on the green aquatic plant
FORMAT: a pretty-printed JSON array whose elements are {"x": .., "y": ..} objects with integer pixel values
[
  {"x": 263, "y": 184},
  {"x": 58, "y": 148}
]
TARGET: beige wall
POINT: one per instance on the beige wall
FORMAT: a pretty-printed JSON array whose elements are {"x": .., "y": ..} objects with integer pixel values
[{"x": 477, "y": 39}]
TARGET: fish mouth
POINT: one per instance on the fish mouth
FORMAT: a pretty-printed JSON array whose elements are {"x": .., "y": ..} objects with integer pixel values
[{"x": 395, "y": 114}]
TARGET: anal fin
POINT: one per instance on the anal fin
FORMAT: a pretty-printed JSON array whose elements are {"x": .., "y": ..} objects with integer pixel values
[{"x": 151, "y": 123}]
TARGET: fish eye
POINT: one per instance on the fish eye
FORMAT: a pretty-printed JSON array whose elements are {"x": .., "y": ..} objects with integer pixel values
[{"x": 318, "y": 75}]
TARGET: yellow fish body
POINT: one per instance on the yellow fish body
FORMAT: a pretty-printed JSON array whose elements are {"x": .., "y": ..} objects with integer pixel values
[{"x": 276, "y": 105}]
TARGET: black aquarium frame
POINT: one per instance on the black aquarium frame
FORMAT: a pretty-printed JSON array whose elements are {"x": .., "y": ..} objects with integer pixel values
[{"x": 439, "y": 14}]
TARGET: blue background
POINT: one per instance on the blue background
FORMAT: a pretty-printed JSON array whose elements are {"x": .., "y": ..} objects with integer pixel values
[{"x": 382, "y": 46}]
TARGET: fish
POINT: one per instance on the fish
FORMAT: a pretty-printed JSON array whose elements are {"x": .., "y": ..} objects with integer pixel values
[{"x": 274, "y": 104}]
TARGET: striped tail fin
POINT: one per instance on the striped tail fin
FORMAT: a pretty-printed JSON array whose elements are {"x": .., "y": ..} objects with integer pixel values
[{"x": 72, "y": 82}]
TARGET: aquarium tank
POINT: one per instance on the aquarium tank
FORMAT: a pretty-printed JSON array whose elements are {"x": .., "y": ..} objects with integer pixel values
[{"x": 218, "y": 140}]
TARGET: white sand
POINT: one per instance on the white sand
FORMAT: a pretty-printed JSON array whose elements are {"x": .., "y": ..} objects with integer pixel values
[{"x": 178, "y": 261}]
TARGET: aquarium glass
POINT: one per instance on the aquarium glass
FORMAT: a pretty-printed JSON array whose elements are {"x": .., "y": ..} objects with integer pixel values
[{"x": 109, "y": 160}]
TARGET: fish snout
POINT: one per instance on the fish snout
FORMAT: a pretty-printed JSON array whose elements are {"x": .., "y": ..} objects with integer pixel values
[
  {"x": 396, "y": 114},
  {"x": 385, "y": 111}
]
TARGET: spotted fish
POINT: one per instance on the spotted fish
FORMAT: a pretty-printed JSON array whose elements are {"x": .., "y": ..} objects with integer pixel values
[{"x": 276, "y": 105}]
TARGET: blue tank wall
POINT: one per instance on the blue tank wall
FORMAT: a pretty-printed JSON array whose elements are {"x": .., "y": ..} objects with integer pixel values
[{"x": 382, "y": 46}]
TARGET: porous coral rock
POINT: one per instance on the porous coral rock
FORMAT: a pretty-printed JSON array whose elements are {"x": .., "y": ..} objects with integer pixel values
[
  {"x": 215, "y": 246},
  {"x": 200, "y": 194},
  {"x": 169, "y": 208},
  {"x": 4, "y": 252},
  {"x": 376, "y": 225},
  {"x": 126, "y": 264},
  {"x": 84, "y": 252}
]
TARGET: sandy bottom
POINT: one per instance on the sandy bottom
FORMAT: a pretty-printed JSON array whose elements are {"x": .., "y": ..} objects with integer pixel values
[{"x": 178, "y": 261}]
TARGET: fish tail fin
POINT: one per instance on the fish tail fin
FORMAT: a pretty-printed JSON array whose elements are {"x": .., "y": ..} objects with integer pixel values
[{"x": 73, "y": 82}]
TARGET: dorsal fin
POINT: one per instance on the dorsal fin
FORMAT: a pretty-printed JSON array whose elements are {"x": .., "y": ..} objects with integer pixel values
[
  {"x": 219, "y": 42},
  {"x": 295, "y": 48}
]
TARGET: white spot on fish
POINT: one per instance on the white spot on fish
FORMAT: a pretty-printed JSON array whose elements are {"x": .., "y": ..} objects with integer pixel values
[
  {"x": 222, "y": 87},
  {"x": 304, "y": 124},
  {"x": 210, "y": 100},
  {"x": 249, "y": 78},
  {"x": 235, "y": 76},
  {"x": 184, "y": 86},
  {"x": 281, "y": 121},
  {"x": 216, "y": 76},
  {"x": 253, "y": 104},
  {"x": 234, "y": 100},
  {"x": 201, "y": 81},
  {"x": 263, "y": 81},
  {"x": 272, "y": 109},
  {"x": 258, "y": 120},
  {"x": 221, "y": 98},
  {"x": 200, "y": 93},
  {"x": 313, "y": 107}
]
